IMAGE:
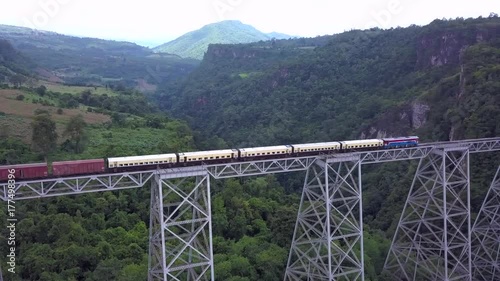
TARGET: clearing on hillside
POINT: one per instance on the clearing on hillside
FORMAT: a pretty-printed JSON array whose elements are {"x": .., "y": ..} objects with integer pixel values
[
  {"x": 16, "y": 116},
  {"x": 10, "y": 106}
]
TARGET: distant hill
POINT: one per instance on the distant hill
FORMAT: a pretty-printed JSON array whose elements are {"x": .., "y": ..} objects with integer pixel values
[
  {"x": 90, "y": 61},
  {"x": 195, "y": 43}
]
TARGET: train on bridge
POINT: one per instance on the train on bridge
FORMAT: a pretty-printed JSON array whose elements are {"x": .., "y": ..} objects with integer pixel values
[{"x": 151, "y": 162}]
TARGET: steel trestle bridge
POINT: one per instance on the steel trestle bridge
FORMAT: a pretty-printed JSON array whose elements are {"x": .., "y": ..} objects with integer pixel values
[{"x": 435, "y": 238}]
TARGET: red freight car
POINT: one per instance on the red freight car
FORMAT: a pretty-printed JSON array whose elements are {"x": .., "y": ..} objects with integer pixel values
[
  {"x": 24, "y": 171},
  {"x": 79, "y": 167}
]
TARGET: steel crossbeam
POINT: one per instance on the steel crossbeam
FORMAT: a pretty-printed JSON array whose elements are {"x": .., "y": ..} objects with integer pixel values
[
  {"x": 485, "y": 145},
  {"x": 260, "y": 167},
  {"x": 180, "y": 242},
  {"x": 432, "y": 241},
  {"x": 328, "y": 236},
  {"x": 486, "y": 236}
]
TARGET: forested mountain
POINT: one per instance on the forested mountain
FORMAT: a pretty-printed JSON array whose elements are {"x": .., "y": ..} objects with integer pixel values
[
  {"x": 195, "y": 43},
  {"x": 89, "y": 61},
  {"x": 439, "y": 81}
]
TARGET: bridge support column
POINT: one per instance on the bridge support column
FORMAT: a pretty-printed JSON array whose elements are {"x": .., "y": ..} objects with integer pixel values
[
  {"x": 432, "y": 241},
  {"x": 328, "y": 238},
  {"x": 486, "y": 236},
  {"x": 180, "y": 241}
]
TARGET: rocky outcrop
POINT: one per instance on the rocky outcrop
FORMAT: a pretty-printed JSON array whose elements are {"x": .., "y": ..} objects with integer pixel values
[
  {"x": 220, "y": 51},
  {"x": 398, "y": 121},
  {"x": 419, "y": 114}
]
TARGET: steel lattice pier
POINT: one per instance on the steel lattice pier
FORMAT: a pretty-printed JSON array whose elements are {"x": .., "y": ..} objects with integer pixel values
[
  {"x": 328, "y": 236},
  {"x": 486, "y": 236},
  {"x": 181, "y": 228}
]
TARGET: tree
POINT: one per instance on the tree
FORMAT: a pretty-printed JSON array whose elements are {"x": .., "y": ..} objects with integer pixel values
[
  {"x": 75, "y": 131},
  {"x": 44, "y": 139},
  {"x": 17, "y": 80},
  {"x": 85, "y": 96},
  {"x": 41, "y": 91}
]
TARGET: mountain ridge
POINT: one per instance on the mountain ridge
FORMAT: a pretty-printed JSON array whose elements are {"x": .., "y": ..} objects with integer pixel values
[{"x": 93, "y": 61}]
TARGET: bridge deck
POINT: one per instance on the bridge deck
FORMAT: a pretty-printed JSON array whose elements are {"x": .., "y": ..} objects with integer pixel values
[{"x": 115, "y": 181}]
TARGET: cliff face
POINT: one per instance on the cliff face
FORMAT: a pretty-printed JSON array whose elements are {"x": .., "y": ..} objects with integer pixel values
[
  {"x": 467, "y": 56},
  {"x": 443, "y": 47}
]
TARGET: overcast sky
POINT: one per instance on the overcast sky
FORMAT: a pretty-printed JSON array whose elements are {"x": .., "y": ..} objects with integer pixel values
[{"x": 156, "y": 21}]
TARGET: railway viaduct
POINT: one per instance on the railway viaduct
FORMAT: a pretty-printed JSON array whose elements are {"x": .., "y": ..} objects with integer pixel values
[{"x": 436, "y": 238}]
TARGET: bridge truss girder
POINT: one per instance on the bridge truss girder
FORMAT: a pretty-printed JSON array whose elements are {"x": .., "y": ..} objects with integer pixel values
[
  {"x": 180, "y": 241},
  {"x": 432, "y": 241},
  {"x": 328, "y": 236},
  {"x": 76, "y": 185},
  {"x": 486, "y": 236},
  {"x": 260, "y": 167}
]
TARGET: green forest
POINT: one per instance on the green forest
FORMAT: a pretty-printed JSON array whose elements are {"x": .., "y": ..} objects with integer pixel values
[{"x": 439, "y": 82}]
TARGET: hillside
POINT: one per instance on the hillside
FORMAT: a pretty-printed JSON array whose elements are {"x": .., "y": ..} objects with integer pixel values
[
  {"x": 416, "y": 80},
  {"x": 90, "y": 61},
  {"x": 195, "y": 43},
  {"x": 12, "y": 62}
]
